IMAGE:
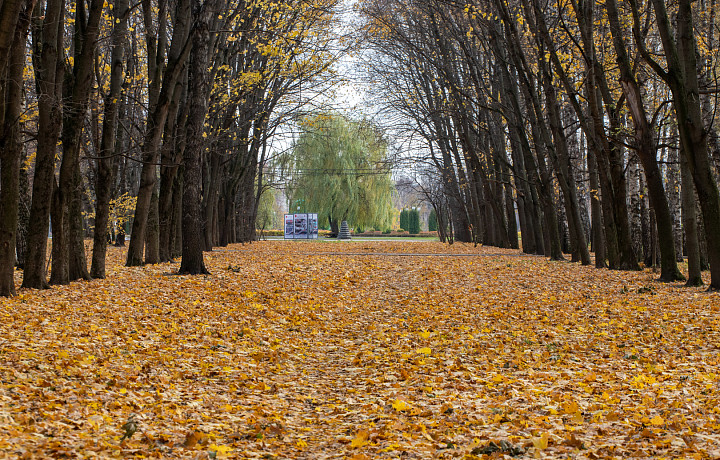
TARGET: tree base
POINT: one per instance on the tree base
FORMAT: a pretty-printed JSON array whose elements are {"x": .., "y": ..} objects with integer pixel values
[
  {"x": 694, "y": 281},
  {"x": 202, "y": 271},
  {"x": 674, "y": 275}
]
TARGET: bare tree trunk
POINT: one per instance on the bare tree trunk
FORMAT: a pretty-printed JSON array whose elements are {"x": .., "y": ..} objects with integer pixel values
[
  {"x": 179, "y": 50},
  {"x": 674, "y": 186},
  {"x": 172, "y": 152},
  {"x": 176, "y": 240},
  {"x": 634, "y": 196},
  {"x": 647, "y": 152},
  {"x": 690, "y": 225},
  {"x": 10, "y": 11},
  {"x": 682, "y": 77},
  {"x": 69, "y": 260},
  {"x": 199, "y": 79},
  {"x": 598, "y": 235},
  {"x": 152, "y": 237},
  {"x": 106, "y": 160},
  {"x": 11, "y": 147},
  {"x": 49, "y": 67},
  {"x": 21, "y": 239}
]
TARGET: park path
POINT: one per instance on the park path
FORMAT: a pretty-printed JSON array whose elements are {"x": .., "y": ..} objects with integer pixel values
[{"x": 361, "y": 350}]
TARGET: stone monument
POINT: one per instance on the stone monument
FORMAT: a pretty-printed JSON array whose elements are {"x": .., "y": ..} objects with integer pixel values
[{"x": 344, "y": 231}]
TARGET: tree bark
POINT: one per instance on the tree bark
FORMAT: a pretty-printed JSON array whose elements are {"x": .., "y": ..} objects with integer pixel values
[
  {"x": 49, "y": 68},
  {"x": 179, "y": 50},
  {"x": 11, "y": 148},
  {"x": 598, "y": 235},
  {"x": 682, "y": 78},
  {"x": 646, "y": 148},
  {"x": 106, "y": 160},
  {"x": 69, "y": 258},
  {"x": 690, "y": 225},
  {"x": 199, "y": 80}
]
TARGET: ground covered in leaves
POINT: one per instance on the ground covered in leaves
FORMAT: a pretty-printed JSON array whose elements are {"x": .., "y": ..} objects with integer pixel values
[{"x": 361, "y": 350}]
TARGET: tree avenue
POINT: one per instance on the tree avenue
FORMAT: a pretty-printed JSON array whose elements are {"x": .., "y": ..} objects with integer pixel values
[
  {"x": 592, "y": 124},
  {"x": 569, "y": 129}
]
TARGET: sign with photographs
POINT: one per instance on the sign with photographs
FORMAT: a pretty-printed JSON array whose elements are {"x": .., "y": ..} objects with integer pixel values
[
  {"x": 301, "y": 226},
  {"x": 289, "y": 226}
]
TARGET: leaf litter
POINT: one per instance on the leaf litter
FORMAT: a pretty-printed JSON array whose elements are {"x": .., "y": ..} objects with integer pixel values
[{"x": 295, "y": 350}]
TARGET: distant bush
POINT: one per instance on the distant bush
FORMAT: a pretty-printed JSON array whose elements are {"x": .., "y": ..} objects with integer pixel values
[
  {"x": 413, "y": 221},
  {"x": 404, "y": 219},
  {"x": 432, "y": 221}
]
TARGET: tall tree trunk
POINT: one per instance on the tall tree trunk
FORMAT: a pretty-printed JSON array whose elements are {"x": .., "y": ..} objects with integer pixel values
[
  {"x": 10, "y": 11},
  {"x": 171, "y": 157},
  {"x": 674, "y": 185},
  {"x": 49, "y": 67},
  {"x": 690, "y": 225},
  {"x": 598, "y": 235},
  {"x": 635, "y": 197},
  {"x": 647, "y": 151},
  {"x": 106, "y": 160},
  {"x": 21, "y": 240},
  {"x": 563, "y": 172},
  {"x": 152, "y": 237},
  {"x": 11, "y": 147},
  {"x": 69, "y": 260},
  {"x": 179, "y": 50},
  {"x": 199, "y": 80},
  {"x": 682, "y": 78}
]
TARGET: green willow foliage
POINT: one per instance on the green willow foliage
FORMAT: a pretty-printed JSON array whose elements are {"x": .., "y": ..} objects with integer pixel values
[{"x": 340, "y": 170}]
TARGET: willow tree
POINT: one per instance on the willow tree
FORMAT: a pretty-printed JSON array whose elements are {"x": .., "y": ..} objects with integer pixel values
[{"x": 340, "y": 169}]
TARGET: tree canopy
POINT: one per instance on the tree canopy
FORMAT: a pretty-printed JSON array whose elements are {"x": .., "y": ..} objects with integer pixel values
[{"x": 339, "y": 169}]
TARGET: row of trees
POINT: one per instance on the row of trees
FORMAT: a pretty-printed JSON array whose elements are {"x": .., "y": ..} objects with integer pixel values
[
  {"x": 591, "y": 124},
  {"x": 171, "y": 102}
]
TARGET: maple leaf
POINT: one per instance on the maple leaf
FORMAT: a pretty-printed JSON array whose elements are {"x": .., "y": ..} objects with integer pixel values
[
  {"x": 541, "y": 442},
  {"x": 400, "y": 405},
  {"x": 360, "y": 439}
]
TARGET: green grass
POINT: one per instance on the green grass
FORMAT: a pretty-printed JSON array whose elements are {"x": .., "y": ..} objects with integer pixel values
[{"x": 366, "y": 238}]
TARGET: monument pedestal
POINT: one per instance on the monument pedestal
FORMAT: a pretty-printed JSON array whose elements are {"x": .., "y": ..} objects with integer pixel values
[{"x": 344, "y": 231}]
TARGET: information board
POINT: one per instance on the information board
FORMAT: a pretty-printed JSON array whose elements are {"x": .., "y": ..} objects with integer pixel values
[
  {"x": 301, "y": 226},
  {"x": 289, "y": 226},
  {"x": 312, "y": 226}
]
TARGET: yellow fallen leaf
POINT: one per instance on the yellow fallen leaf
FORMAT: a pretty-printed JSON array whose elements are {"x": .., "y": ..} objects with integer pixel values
[
  {"x": 194, "y": 437},
  {"x": 400, "y": 405},
  {"x": 424, "y": 351},
  {"x": 360, "y": 439},
  {"x": 425, "y": 334},
  {"x": 301, "y": 444},
  {"x": 541, "y": 442},
  {"x": 571, "y": 407},
  {"x": 657, "y": 420},
  {"x": 220, "y": 450}
]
